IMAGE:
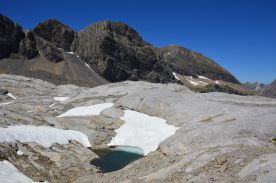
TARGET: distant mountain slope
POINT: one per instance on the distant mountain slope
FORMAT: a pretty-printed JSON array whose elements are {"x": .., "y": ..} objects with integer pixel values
[
  {"x": 186, "y": 62},
  {"x": 261, "y": 89},
  {"x": 105, "y": 51}
]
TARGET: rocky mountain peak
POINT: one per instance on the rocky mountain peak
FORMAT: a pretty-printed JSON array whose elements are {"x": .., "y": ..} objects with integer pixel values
[
  {"x": 117, "y": 30},
  {"x": 118, "y": 53},
  {"x": 56, "y": 32}
]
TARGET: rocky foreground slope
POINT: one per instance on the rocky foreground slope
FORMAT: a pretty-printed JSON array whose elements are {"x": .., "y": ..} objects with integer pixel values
[
  {"x": 219, "y": 137},
  {"x": 102, "y": 52}
]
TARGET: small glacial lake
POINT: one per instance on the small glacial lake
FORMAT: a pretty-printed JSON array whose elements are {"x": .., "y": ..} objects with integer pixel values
[{"x": 116, "y": 157}]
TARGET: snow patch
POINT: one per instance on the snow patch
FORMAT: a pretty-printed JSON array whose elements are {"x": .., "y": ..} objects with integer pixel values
[
  {"x": 51, "y": 105},
  {"x": 10, "y": 174},
  {"x": 175, "y": 76},
  {"x": 60, "y": 99},
  {"x": 70, "y": 52},
  {"x": 19, "y": 153},
  {"x": 43, "y": 135},
  {"x": 202, "y": 77},
  {"x": 88, "y": 66},
  {"x": 143, "y": 131},
  {"x": 87, "y": 110},
  {"x": 217, "y": 82},
  {"x": 11, "y": 95}
]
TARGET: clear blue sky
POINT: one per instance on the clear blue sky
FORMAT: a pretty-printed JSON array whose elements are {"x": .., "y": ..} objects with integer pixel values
[{"x": 238, "y": 34}]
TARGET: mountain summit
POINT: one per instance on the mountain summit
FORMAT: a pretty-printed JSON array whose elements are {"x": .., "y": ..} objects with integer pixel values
[{"x": 103, "y": 52}]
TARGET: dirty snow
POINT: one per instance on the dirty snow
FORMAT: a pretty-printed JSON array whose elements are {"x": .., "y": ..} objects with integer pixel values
[
  {"x": 43, "y": 135},
  {"x": 60, "y": 99},
  {"x": 175, "y": 76},
  {"x": 11, "y": 95},
  {"x": 87, "y": 110},
  {"x": 143, "y": 131},
  {"x": 9, "y": 174}
]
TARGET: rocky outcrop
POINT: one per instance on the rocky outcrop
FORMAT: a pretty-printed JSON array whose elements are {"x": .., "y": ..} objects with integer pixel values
[
  {"x": 48, "y": 50},
  {"x": 28, "y": 46},
  {"x": 270, "y": 90},
  {"x": 10, "y": 36},
  {"x": 118, "y": 53},
  {"x": 55, "y": 32}
]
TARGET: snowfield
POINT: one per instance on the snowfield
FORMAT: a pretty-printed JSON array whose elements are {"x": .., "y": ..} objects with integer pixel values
[
  {"x": 42, "y": 135},
  {"x": 143, "y": 131},
  {"x": 87, "y": 110},
  {"x": 10, "y": 174}
]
